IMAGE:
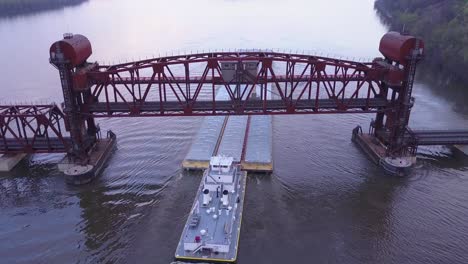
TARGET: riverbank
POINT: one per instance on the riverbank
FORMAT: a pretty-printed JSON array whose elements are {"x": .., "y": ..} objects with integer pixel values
[
  {"x": 443, "y": 24},
  {"x": 12, "y": 8}
]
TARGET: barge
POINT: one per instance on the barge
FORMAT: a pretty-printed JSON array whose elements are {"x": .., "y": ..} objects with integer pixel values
[{"x": 212, "y": 230}]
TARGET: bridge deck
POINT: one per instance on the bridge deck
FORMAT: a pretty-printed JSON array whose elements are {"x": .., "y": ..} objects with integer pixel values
[
  {"x": 251, "y": 107},
  {"x": 40, "y": 145},
  {"x": 435, "y": 137},
  {"x": 55, "y": 145},
  {"x": 441, "y": 137},
  {"x": 219, "y": 81}
]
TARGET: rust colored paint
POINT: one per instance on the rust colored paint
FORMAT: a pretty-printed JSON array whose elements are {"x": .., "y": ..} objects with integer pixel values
[
  {"x": 80, "y": 81},
  {"x": 75, "y": 48},
  {"x": 395, "y": 77},
  {"x": 398, "y": 47}
]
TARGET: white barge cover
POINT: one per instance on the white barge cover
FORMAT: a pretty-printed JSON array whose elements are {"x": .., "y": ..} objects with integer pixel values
[
  {"x": 232, "y": 141},
  {"x": 259, "y": 142},
  {"x": 204, "y": 145}
]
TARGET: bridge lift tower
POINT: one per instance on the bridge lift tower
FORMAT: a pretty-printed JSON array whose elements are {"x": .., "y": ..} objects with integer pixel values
[
  {"x": 396, "y": 150},
  {"x": 88, "y": 152}
]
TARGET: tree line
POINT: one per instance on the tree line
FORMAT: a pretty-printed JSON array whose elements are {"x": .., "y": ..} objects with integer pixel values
[
  {"x": 12, "y": 8},
  {"x": 443, "y": 25}
]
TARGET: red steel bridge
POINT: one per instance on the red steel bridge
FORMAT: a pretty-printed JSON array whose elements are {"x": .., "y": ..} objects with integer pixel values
[{"x": 256, "y": 82}]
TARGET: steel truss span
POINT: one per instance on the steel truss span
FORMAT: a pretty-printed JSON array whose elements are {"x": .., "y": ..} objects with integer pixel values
[
  {"x": 252, "y": 83},
  {"x": 32, "y": 129}
]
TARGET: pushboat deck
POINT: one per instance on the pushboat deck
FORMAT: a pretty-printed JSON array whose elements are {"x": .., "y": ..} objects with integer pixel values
[{"x": 224, "y": 229}]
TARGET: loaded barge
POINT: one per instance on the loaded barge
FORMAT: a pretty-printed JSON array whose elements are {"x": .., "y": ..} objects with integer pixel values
[
  {"x": 247, "y": 139},
  {"x": 212, "y": 230}
]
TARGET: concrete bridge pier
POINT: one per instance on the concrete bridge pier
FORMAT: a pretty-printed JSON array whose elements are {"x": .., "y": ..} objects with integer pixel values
[
  {"x": 9, "y": 161},
  {"x": 377, "y": 151},
  {"x": 78, "y": 171},
  {"x": 377, "y": 146}
]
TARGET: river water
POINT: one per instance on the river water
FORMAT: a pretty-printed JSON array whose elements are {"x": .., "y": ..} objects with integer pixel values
[{"x": 325, "y": 202}]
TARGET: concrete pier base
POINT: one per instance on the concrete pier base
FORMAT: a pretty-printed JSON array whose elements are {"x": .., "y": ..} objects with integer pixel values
[
  {"x": 460, "y": 150},
  {"x": 376, "y": 151},
  {"x": 9, "y": 161},
  {"x": 77, "y": 173}
]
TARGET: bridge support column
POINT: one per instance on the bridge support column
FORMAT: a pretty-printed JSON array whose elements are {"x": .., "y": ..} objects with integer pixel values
[
  {"x": 79, "y": 173},
  {"x": 9, "y": 161}
]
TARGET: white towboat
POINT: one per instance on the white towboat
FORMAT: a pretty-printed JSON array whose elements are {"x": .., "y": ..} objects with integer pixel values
[{"x": 213, "y": 225}]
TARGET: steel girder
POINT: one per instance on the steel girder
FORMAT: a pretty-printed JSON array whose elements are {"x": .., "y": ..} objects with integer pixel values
[{"x": 188, "y": 84}]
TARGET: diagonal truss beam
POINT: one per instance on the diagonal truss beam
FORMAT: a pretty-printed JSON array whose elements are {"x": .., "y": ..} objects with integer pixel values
[
  {"x": 282, "y": 83},
  {"x": 32, "y": 129}
]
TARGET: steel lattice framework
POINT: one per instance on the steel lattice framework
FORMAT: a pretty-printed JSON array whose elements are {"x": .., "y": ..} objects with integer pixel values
[
  {"x": 188, "y": 85},
  {"x": 32, "y": 129},
  {"x": 244, "y": 82},
  {"x": 278, "y": 83}
]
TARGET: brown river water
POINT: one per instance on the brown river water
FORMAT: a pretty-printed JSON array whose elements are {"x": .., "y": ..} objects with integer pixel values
[{"x": 324, "y": 203}]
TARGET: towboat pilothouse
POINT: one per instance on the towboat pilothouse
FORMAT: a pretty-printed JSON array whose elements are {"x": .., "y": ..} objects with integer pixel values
[{"x": 213, "y": 225}]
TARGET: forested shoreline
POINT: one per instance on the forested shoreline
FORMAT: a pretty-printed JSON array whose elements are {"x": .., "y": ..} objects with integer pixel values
[
  {"x": 12, "y": 8},
  {"x": 443, "y": 24}
]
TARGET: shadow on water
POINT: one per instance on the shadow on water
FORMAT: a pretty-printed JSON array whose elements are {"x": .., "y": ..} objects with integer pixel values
[
  {"x": 12, "y": 9},
  {"x": 33, "y": 201},
  {"x": 23, "y": 185}
]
